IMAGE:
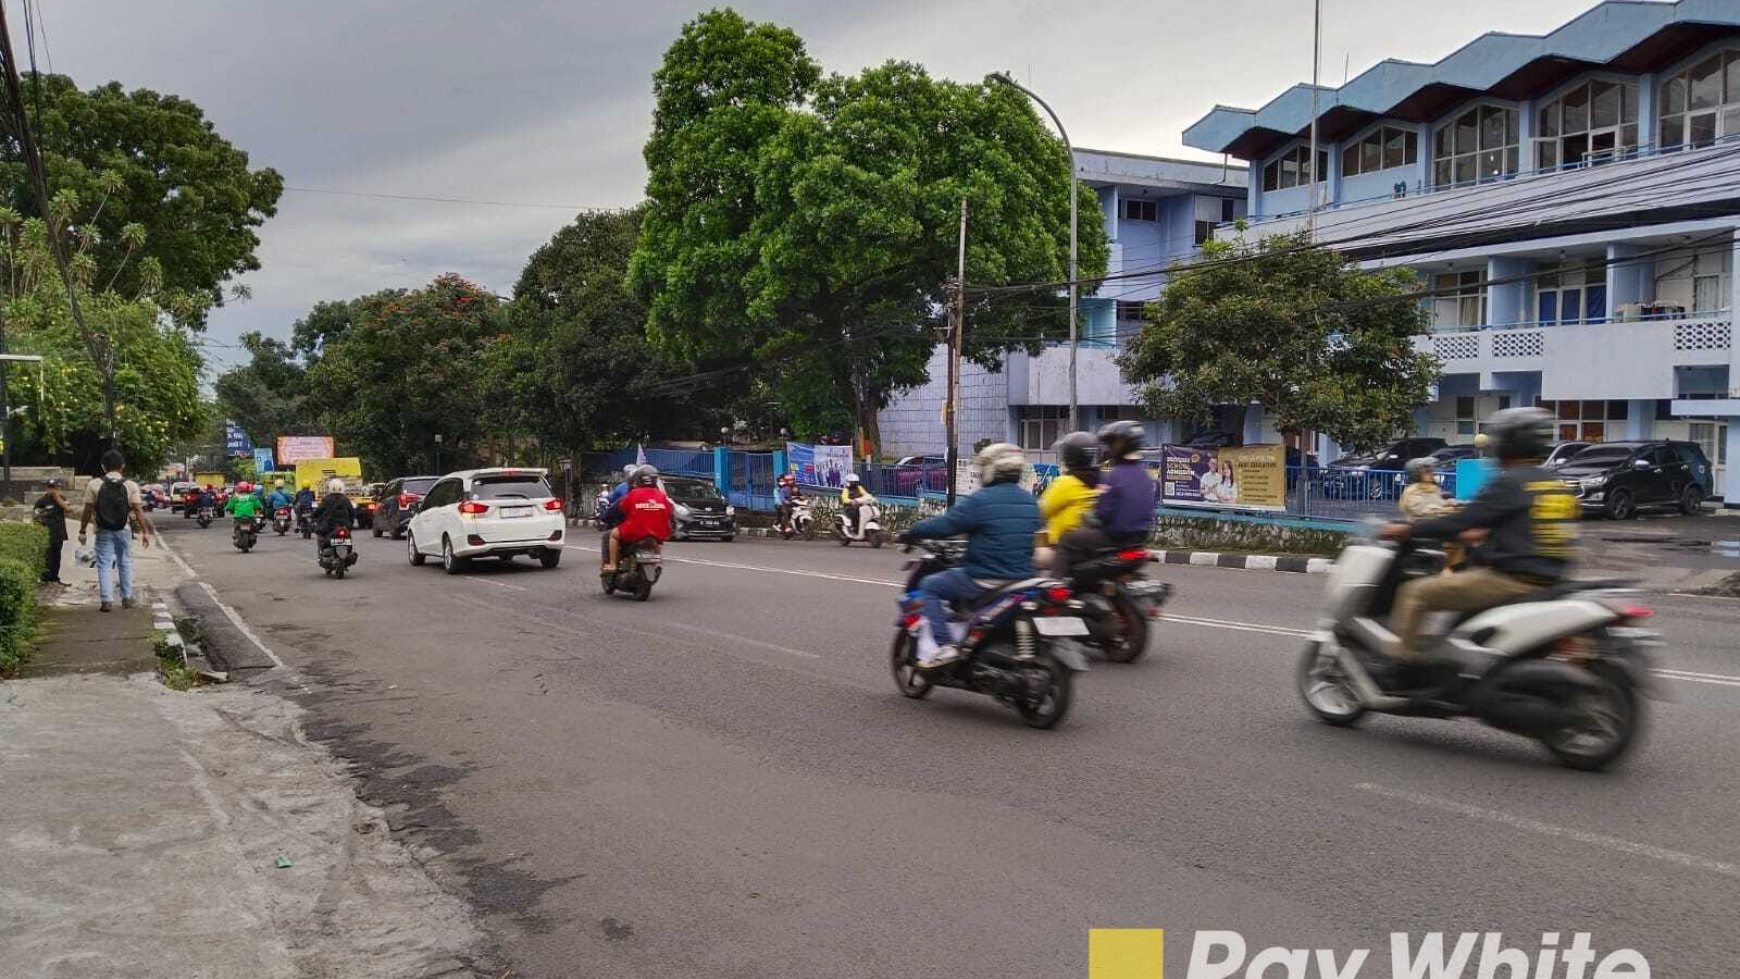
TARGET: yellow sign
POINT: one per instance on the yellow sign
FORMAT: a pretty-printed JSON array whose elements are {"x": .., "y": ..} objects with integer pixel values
[{"x": 1126, "y": 953}]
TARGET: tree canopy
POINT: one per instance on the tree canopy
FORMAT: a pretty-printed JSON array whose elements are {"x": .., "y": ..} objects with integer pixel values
[
  {"x": 143, "y": 161},
  {"x": 810, "y": 224},
  {"x": 267, "y": 396},
  {"x": 1320, "y": 344}
]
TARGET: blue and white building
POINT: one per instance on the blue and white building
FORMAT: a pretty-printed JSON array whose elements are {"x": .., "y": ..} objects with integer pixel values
[
  {"x": 1571, "y": 200},
  {"x": 1156, "y": 211}
]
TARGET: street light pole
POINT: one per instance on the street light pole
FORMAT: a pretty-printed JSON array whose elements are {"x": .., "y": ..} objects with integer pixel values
[
  {"x": 1074, "y": 288},
  {"x": 437, "y": 455}
]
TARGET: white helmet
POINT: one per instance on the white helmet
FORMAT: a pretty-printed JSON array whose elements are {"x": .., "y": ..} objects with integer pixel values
[
  {"x": 851, "y": 478},
  {"x": 335, "y": 485},
  {"x": 1000, "y": 462}
]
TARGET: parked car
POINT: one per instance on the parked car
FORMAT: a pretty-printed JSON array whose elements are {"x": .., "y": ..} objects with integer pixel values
[
  {"x": 1352, "y": 477},
  {"x": 497, "y": 512},
  {"x": 1213, "y": 440},
  {"x": 398, "y": 502},
  {"x": 912, "y": 471},
  {"x": 1621, "y": 478},
  {"x": 1562, "y": 453},
  {"x": 1450, "y": 455},
  {"x": 702, "y": 512}
]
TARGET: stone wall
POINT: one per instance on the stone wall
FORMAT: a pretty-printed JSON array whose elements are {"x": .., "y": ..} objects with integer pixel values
[{"x": 1209, "y": 533}]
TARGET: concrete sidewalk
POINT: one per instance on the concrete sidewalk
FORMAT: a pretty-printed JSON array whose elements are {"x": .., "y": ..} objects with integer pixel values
[{"x": 147, "y": 833}]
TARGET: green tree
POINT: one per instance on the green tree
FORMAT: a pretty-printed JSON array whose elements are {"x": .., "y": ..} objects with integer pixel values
[
  {"x": 407, "y": 368},
  {"x": 152, "y": 162},
  {"x": 1320, "y": 344},
  {"x": 267, "y": 396},
  {"x": 810, "y": 224}
]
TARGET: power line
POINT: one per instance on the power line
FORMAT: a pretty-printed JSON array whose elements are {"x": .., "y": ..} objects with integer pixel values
[{"x": 438, "y": 200}]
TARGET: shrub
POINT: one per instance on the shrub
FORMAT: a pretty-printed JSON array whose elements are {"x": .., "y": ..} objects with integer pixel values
[
  {"x": 25, "y": 542},
  {"x": 17, "y": 610}
]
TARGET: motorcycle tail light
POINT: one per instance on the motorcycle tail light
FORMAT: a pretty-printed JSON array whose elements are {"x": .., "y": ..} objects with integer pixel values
[
  {"x": 341, "y": 532},
  {"x": 1058, "y": 593},
  {"x": 1133, "y": 555},
  {"x": 910, "y": 620}
]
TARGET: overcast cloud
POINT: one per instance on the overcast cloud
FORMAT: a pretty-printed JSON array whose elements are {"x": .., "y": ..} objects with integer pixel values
[{"x": 542, "y": 102}]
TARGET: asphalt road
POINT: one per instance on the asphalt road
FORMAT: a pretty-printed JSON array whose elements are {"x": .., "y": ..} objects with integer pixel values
[{"x": 723, "y": 782}]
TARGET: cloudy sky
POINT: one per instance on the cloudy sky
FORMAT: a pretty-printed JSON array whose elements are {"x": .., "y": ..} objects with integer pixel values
[{"x": 537, "y": 102}]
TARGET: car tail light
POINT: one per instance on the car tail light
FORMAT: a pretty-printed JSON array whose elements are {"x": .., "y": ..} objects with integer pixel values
[
  {"x": 1133, "y": 555},
  {"x": 473, "y": 507},
  {"x": 368, "y": 506},
  {"x": 553, "y": 505},
  {"x": 406, "y": 499}
]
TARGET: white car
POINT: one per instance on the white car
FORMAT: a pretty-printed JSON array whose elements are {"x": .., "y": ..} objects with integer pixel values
[{"x": 487, "y": 513}]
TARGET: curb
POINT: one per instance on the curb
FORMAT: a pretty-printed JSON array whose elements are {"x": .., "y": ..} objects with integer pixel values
[{"x": 1247, "y": 562}]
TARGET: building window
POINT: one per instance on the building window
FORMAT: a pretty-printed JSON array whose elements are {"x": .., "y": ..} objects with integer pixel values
[
  {"x": 1226, "y": 209},
  {"x": 1585, "y": 421},
  {"x": 1596, "y": 122},
  {"x": 1131, "y": 310},
  {"x": 1042, "y": 425},
  {"x": 1140, "y": 210},
  {"x": 1465, "y": 420},
  {"x": 1571, "y": 296},
  {"x": 1477, "y": 146},
  {"x": 1293, "y": 168},
  {"x": 1701, "y": 104},
  {"x": 1204, "y": 231},
  {"x": 1698, "y": 282},
  {"x": 1458, "y": 300},
  {"x": 1384, "y": 148}
]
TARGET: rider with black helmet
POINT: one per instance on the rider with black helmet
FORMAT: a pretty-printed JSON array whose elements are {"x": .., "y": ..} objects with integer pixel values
[
  {"x": 1124, "y": 511},
  {"x": 1071, "y": 495},
  {"x": 1529, "y": 517}
]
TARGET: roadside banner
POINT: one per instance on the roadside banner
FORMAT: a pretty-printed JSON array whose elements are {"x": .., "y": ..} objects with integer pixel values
[
  {"x": 1253, "y": 477},
  {"x": 236, "y": 441},
  {"x": 819, "y": 465},
  {"x": 263, "y": 460},
  {"x": 295, "y": 448}
]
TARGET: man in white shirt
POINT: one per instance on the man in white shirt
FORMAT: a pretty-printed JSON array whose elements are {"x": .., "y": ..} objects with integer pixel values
[{"x": 113, "y": 501}]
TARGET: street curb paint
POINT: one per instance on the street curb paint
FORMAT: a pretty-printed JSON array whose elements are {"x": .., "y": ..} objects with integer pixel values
[{"x": 1247, "y": 562}]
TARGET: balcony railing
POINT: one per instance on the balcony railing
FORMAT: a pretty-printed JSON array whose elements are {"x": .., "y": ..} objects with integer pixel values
[{"x": 1679, "y": 316}]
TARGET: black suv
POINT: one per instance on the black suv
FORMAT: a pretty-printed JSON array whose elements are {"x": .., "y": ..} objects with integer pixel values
[
  {"x": 1619, "y": 478},
  {"x": 398, "y": 502},
  {"x": 1364, "y": 476}
]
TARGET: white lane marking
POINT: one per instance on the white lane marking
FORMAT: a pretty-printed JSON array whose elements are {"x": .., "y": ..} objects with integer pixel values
[
  {"x": 186, "y": 568},
  {"x": 1548, "y": 829},
  {"x": 498, "y": 584},
  {"x": 593, "y": 636},
  {"x": 774, "y": 647},
  {"x": 1720, "y": 681},
  {"x": 755, "y": 567},
  {"x": 1274, "y": 630},
  {"x": 241, "y": 626}
]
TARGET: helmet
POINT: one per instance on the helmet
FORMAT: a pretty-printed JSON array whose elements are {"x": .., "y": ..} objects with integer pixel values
[
  {"x": 787, "y": 479},
  {"x": 1000, "y": 462},
  {"x": 646, "y": 476},
  {"x": 628, "y": 470},
  {"x": 851, "y": 478},
  {"x": 1077, "y": 450},
  {"x": 335, "y": 485},
  {"x": 1121, "y": 438},
  {"x": 244, "y": 487},
  {"x": 1415, "y": 467},
  {"x": 1521, "y": 433}
]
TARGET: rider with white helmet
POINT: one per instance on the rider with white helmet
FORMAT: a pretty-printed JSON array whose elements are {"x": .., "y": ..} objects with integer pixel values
[
  {"x": 999, "y": 522},
  {"x": 853, "y": 496}
]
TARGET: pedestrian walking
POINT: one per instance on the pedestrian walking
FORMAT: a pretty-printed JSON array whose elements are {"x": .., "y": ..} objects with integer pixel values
[
  {"x": 51, "y": 511},
  {"x": 111, "y": 499}
]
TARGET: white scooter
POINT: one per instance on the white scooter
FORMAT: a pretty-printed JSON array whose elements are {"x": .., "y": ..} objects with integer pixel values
[
  {"x": 801, "y": 522},
  {"x": 1564, "y": 666},
  {"x": 869, "y": 529}
]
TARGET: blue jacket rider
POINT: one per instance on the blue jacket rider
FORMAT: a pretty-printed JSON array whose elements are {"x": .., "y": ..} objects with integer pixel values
[
  {"x": 279, "y": 498},
  {"x": 999, "y": 522}
]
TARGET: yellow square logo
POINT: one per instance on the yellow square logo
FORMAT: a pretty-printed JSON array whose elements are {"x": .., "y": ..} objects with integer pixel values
[{"x": 1126, "y": 953}]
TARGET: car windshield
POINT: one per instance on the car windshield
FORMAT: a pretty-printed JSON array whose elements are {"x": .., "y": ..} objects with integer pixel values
[
  {"x": 686, "y": 489},
  {"x": 418, "y": 487},
  {"x": 1602, "y": 455},
  {"x": 514, "y": 487}
]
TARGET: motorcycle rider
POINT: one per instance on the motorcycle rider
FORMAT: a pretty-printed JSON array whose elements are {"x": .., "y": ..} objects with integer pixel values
[
  {"x": 1071, "y": 495},
  {"x": 1124, "y": 511},
  {"x": 789, "y": 494},
  {"x": 853, "y": 496},
  {"x": 244, "y": 505},
  {"x": 999, "y": 521},
  {"x": 1528, "y": 515},
  {"x": 335, "y": 511},
  {"x": 207, "y": 498},
  {"x": 1423, "y": 498},
  {"x": 304, "y": 499},
  {"x": 645, "y": 511},
  {"x": 279, "y": 499}
]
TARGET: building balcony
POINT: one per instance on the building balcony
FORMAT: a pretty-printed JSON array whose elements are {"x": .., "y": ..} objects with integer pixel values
[
  {"x": 1677, "y": 183},
  {"x": 1635, "y": 359}
]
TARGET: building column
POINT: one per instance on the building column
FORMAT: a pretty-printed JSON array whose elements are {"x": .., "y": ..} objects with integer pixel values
[
  {"x": 1640, "y": 420},
  {"x": 1333, "y": 193},
  {"x": 1730, "y": 489},
  {"x": 1508, "y": 303},
  {"x": 1423, "y": 169},
  {"x": 1648, "y": 131},
  {"x": 1628, "y": 282},
  {"x": 1253, "y": 189},
  {"x": 1525, "y": 135}
]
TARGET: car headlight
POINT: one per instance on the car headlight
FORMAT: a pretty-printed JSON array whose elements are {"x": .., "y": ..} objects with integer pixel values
[
  {"x": 1595, "y": 482},
  {"x": 731, "y": 511},
  {"x": 683, "y": 511}
]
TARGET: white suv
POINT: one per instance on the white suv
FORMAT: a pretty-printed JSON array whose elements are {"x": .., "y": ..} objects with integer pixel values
[{"x": 487, "y": 513}]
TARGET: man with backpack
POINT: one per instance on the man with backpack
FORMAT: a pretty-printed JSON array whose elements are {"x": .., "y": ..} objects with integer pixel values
[{"x": 112, "y": 499}]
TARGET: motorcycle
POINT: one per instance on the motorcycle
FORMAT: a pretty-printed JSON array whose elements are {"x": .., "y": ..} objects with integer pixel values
[
  {"x": 281, "y": 520},
  {"x": 337, "y": 553},
  {"x": 1565, "y": 666},
  {"x": 600, "y": 506},
  {"x": 305, "y": 522},
  {"x": 205, "y": 517},
  {"x": 799, "y": 521},
  {"x": 1012, "y": 643},
  {"x": 1118, "y": 600},
  {"x": 637, "y": 572},
  {"x": 869, "y": 529},
  {"x": 246, "y": 533}
]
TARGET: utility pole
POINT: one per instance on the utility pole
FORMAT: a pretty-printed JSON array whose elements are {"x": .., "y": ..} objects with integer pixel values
[
  {"x": 1316, "y": 59},
  {"x": 100, "y": 350},
  {"x": 957, "y": 331}
]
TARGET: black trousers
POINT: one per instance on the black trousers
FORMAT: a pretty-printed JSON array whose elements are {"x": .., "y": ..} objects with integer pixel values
[
  {"x": 51, "y": 564},
  {"x": 1083, "y": 543}
]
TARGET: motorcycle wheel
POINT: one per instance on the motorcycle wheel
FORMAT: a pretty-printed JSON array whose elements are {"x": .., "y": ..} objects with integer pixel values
[
  {"x": 810, "y": 531},
  {"x": 786, "y": 533},
  {"x": 644, "y": 592},
  {"x": 1325, "y": 689},
  {"x": 338, "y": 572},
  {"x": 875, "y": 539},
  {"x": 608, "y": 584},
  {"x": 1129, "y": 638},
  {"x": 1046, "y": 708},
  {"x": 375, "y": 527},
  {"x": 306, "y": 534},
  {"x": 903, "y": 659},
  {"x": 1606, "y": 725}
]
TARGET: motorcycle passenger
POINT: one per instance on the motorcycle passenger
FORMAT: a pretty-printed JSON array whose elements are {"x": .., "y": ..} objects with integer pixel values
[
  {"x": 789, "y": 494},
  {"x": 999, "y": 521},
  {"x": 1071, "y": 495},
  {"x": 335, "y": 511},
  {"x": 207, "y": 498},
  {"x": 645, "y": 512},
  {"x": 1124, "y": 511},
  {"x": 279, "y": 499},
  {"x": 1528, "y": 515},
  {"x": 304, "y": 499},
  {"x": 853, "y": 496},
  {"x": 244, "y": 505}
]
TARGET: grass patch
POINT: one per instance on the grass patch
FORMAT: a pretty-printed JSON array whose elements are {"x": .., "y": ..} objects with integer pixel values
[
  {"x": 172, "y": 666},
  {"x": 1728, "y": 587}
]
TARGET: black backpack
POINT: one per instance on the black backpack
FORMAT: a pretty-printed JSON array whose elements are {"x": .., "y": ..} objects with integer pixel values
[{"x": 112, "y": 508}]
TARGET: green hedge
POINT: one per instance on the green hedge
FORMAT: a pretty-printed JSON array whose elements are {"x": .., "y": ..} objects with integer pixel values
[{"x": 22, "y": 549}]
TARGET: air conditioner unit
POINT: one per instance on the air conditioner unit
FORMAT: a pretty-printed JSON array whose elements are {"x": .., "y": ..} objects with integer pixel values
[{"x": 1627, "y": 312}]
